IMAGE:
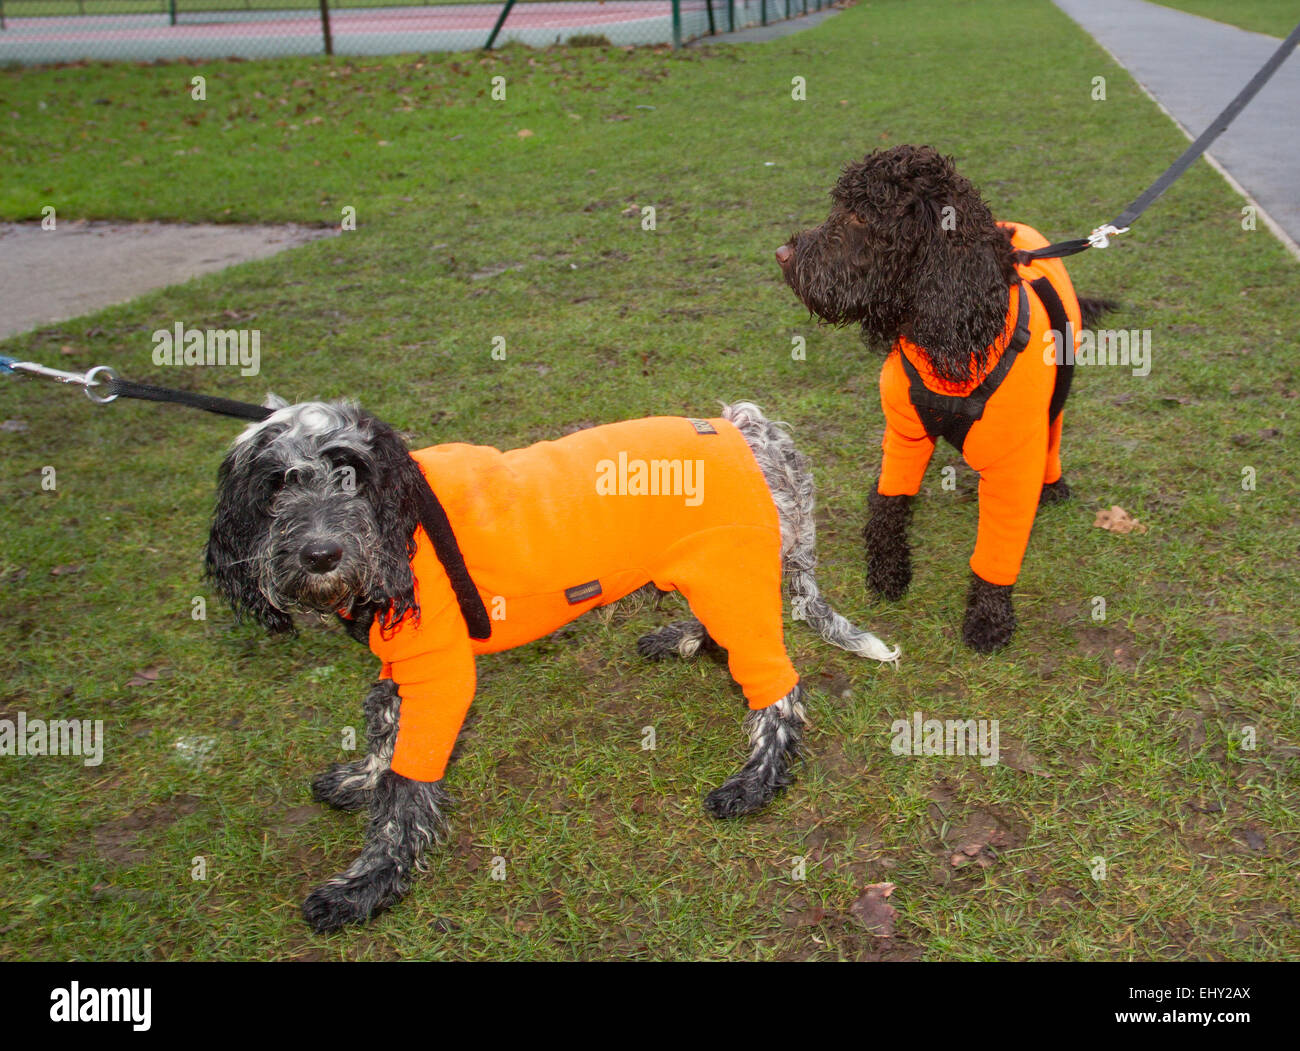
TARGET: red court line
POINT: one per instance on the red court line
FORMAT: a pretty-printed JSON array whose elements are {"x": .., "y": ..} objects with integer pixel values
[{"x": 429, "y": 19}]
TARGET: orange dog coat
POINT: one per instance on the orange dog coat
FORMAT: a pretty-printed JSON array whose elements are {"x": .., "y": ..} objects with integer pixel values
[
  {"x": 559, "y": 528},
  {"x": 1013, "y": 445}
]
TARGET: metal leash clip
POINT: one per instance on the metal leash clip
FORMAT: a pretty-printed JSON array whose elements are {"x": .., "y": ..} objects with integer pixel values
[
  {"x": 85, "y": 381},
  {"x": 1100, "y": 237}
]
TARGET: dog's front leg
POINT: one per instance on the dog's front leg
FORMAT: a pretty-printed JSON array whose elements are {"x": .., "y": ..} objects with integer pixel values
[
  {"x": 405, "y": 818},
  {"x": 348, "y": 786},
  {"x": 775, "y": 735},
  {"x": 889, "y": 555}
]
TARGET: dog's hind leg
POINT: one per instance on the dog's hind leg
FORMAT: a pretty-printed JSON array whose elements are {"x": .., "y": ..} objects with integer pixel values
[
  {"x": 775, "y": 735},
  {"x": 348, "y": 786},
  {"x": 682, "y": 638},
  {"x": 405, "y": 818}
]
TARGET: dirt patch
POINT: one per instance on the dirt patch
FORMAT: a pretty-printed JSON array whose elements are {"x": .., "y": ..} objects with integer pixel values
[
  {"x": 118, "y": 842},
  {"x": 80, "y": 267}
]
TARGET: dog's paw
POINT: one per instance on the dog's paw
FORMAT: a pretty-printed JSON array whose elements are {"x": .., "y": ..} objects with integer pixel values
[
  {"x": 1054, "y": 493},
  {"x": 345, "y": 786},
  {"x": 990, "y": 618},
  {"x": 743, "y": 794},
  {"x": 344, "y": 899}
]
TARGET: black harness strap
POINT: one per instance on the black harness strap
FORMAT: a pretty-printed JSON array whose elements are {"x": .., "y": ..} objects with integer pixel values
[
  {"x": 951, "y": 416},
  {"x": 1051, "y": 300}
]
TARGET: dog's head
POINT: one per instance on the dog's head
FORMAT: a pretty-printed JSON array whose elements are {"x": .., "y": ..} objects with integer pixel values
[
  {"x": 909, "y": 249},
  {"x": 316, "y": 512}
]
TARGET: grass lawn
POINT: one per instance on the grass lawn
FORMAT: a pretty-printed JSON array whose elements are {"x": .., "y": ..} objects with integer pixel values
[
  {"x": 1274, "y": 17},
  {"x": 1121, "y": 739}
]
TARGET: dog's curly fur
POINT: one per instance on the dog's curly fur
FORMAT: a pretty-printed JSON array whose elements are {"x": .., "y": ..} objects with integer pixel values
[
  {"x": 884, "y": 259},
  {"x": 316, "y": 513},
  {"x": 911, "y": 250}
]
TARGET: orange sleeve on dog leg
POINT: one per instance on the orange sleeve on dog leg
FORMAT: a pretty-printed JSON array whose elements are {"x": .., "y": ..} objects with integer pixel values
[
  {"x": 433, "y": 665},
  {"x": 1009, "y": 494},
  {"x": 437, "y": 689},
  {"x": 907, "y": 448}
]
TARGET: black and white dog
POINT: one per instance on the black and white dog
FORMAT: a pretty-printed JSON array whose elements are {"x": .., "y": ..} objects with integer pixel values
[{"x": 321, "y": 509}]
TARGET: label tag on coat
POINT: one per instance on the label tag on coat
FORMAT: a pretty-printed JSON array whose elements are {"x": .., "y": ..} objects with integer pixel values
[
  {"x": 703, "y": 427},
  {"x": 582, "y": 592}
]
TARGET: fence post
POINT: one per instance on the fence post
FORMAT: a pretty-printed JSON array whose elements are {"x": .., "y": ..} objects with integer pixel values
[
  {"x": 492, "y": 38},
  {"x": 2, "y": 14},
  {"x": 713, "y": 29},
  {"x": 677, "y": 24},
  {"x": 325, "y": 26},
  {"x": 731, "y": 15},
  {"x": 764, "y": 12},
  {"x": 171, "y": 10}
]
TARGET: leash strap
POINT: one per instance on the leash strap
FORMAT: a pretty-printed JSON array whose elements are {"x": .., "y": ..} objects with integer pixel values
[
  {"x": 119, "y": 387},
  {"x": 104, "y": 376},
  {"x": 1100, "y": 237}
]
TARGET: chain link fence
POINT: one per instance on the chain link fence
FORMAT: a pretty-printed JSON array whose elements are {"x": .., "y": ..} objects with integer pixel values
[{"x": 46, "y": 31}]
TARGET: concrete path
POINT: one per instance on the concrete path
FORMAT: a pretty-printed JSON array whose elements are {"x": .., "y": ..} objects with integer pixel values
[
  {"x": 1194, "y": 67},
  {"x": 79, "y": 267}
]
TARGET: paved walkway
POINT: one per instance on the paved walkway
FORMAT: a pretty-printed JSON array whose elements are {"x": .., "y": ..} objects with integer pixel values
[
  {"x": 79, "y": 267},
  {"x": 1194, "y": 67}
]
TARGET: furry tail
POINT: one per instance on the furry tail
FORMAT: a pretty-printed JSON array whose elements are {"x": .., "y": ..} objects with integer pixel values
[
  {"x": 1092, "y": 310},
  {"x": 790, "y": 481}
]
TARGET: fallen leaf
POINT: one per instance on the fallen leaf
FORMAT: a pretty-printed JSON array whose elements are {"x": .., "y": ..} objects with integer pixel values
[
  {"x": 524, "y": 133},
  {"x": 1117, "y": 520},
  {"x": 873, "y": 912},
  {"x": 67, "y": 571},
  {"x": 144, "y": 677}
]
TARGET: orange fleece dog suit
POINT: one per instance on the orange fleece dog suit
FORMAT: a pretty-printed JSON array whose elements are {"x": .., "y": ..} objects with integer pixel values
[
  {"x": 1006, "y": 422},
  {"x": 561, "y": 527}
]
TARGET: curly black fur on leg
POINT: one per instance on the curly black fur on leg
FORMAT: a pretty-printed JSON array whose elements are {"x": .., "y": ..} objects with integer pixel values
[
  {"x": 1054, "y": 493},
  {"x": 776, "y": 734},
  {"x": 889, "y": 555},
  {"x": 405, "y": 817},
  {"x": 990, "y": 618},
  {"x": 682, "y": 638},
  {"x": 348, "y": 786}
]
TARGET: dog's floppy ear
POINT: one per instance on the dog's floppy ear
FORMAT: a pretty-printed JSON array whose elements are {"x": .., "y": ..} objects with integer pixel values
[
  {"x": 960, "y": 300},
  {"x": 408, "y": 501},
  {"x": 397, "y": 484},
  {"x": 239, "y": 524}
]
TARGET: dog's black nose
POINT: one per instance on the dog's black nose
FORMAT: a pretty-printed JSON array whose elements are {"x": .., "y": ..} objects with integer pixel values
[{"x": 320, "y": 556}]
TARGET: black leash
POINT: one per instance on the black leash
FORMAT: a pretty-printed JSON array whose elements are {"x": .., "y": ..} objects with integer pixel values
[
  {"x": 120, "y": 388},
  {"x": 116, "y": 387},
  {"x": 1101, "y": 236}
]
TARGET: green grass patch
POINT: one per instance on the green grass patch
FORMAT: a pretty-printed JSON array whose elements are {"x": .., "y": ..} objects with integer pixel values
[
  {"x": 1122, "y": 739},
  {"x": 1274, "y": 17}
]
